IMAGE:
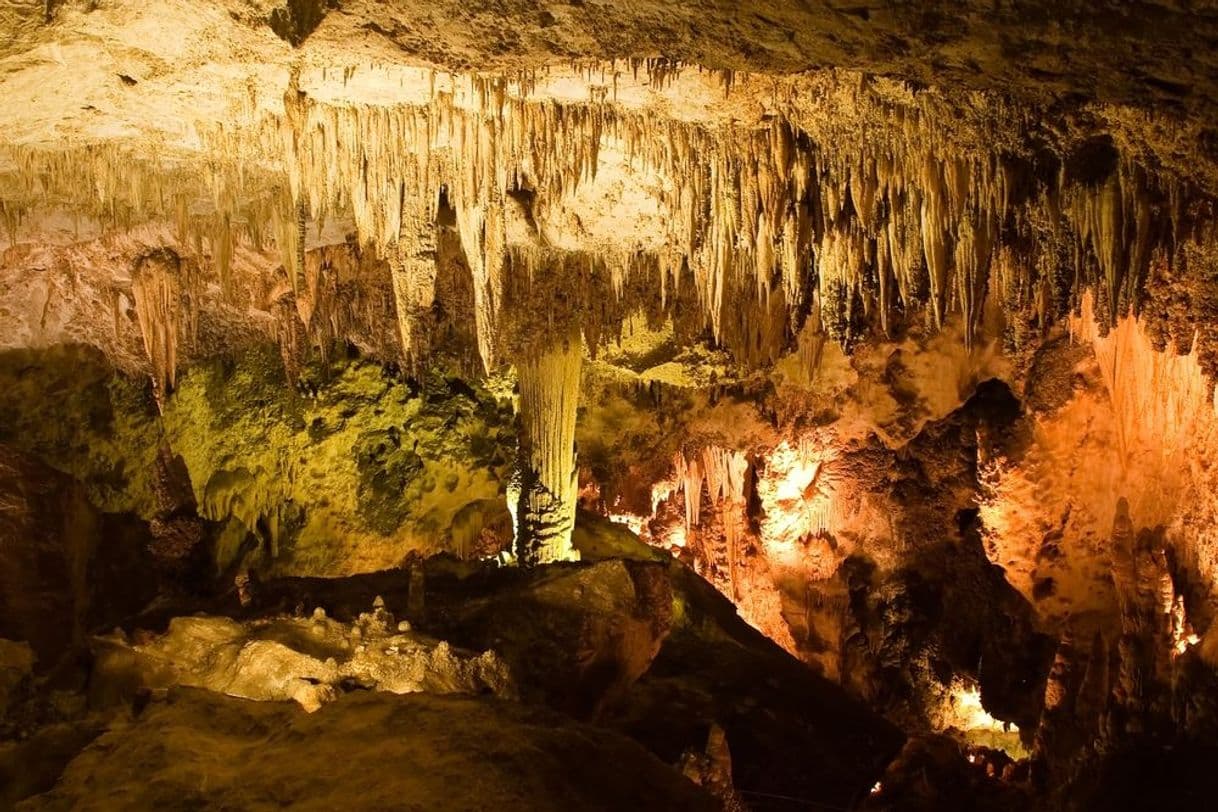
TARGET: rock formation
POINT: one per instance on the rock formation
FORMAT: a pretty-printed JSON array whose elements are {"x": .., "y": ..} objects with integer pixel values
[{"x": 820, "y": 395}]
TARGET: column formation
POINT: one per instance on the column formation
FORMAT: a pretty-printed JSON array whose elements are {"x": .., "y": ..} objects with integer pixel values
[{"x": 549, "y": 397}]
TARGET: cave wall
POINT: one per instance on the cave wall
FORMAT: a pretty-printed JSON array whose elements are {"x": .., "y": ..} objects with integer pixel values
[{"x": 348, "y": 470}]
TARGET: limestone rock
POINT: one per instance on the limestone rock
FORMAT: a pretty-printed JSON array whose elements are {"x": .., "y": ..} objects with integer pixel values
[
  {"x": 574, "y": 637},
  {"x": 287, "y": 658},
  {"x": 365, "y": 751}
]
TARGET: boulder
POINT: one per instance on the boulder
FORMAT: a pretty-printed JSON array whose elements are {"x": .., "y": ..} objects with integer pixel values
[
  {"x": 200, "y": 750},
  {"x": 575, "y": 637}
]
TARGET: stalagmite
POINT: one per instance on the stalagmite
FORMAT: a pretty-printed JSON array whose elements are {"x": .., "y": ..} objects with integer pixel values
[{"x": 549, "y": 397}]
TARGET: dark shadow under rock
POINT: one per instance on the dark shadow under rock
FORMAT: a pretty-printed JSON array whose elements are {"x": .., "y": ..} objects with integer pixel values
[
  {"x": 34, "y": 764},
  {"x": 65, "y": 568},
  {"x": 797, "y": 740}
]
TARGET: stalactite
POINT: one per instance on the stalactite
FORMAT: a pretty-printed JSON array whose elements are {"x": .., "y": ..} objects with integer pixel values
[
  {"x": 1113, "y": 222},
  {"x": 549, "y": 487},
  {"x": 724, "y": 471},
  {"x": 291, "y": 334},
  {"x": 157, "y": 289},
  {"x": 974, "y": 249},
  {"x": 413, "y": 269},
  {"x": 289, "y": 238},
  {"x": 222, "y": 248},
  {"x": 690, "y": 478}
]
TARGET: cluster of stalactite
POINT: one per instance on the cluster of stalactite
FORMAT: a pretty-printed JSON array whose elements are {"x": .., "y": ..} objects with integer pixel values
[
  {"x": 790, "y": 230},
  {"x": 165, "y": 295},
  {"x": 550, "y": 291},
  {"x": 344, "y": 294},
  {"x": 708, "y": 513},
  {"x": 721, "y": 476},
  {"x": 118, "y": 187},
  {"x": 326, "y": 293},
  {"x": 725, "y": 510},
  {"x": 765, "y": 222},
  {"x": 1165, "y": 422}
]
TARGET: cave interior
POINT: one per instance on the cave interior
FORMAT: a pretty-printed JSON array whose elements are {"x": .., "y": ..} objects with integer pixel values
[{"x": 638, "y": 405}]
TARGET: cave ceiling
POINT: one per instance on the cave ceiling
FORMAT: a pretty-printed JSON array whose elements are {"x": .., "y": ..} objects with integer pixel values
[{"x": 867, "y": 163}]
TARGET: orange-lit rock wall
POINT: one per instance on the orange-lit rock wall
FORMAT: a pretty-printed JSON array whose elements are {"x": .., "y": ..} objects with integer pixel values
[{"x": 783, "y": 523}]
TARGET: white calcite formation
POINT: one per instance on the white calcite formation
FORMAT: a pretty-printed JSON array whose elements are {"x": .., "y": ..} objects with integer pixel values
[{"x": 307, "y": 660}]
